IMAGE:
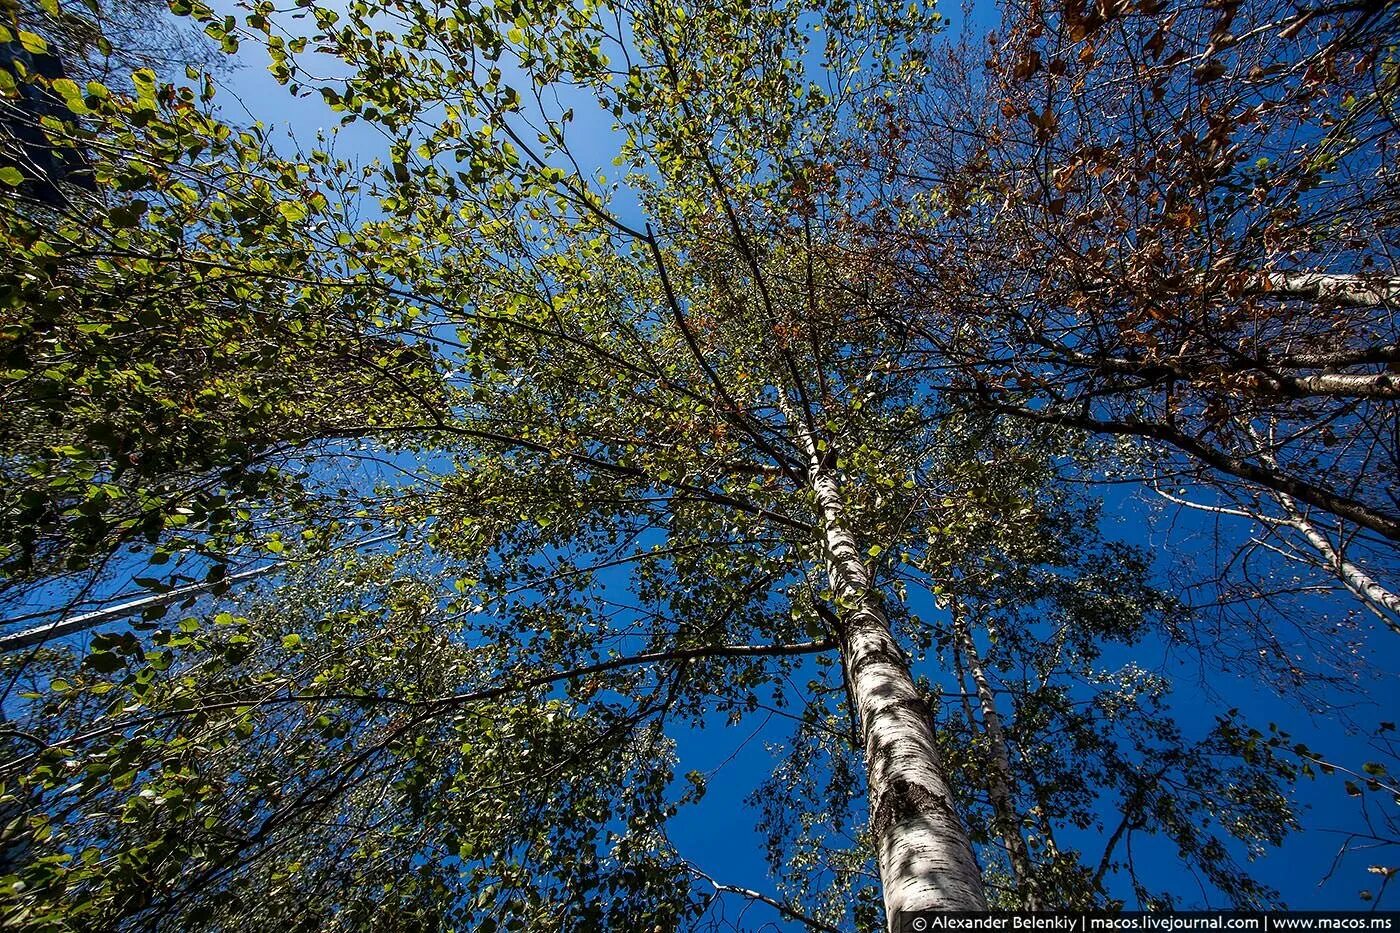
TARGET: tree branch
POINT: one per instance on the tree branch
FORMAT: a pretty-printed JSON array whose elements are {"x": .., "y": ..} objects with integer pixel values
[
  {"x": 1325, "y": 499},
  {"x": 787, "y": 911}
]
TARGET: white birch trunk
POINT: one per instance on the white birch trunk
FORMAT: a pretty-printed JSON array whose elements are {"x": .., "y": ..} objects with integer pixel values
[
  {"x": 1365, "y": 587},
  {"x": 1331, "y": 286},
  {"x": 926, "y": 861},
  {"x": 1348, "y": 385},
  {"x": 1371, "y": 592},
  {"x": 37, "y": 635},
  {"x": 999, "y": 778}
]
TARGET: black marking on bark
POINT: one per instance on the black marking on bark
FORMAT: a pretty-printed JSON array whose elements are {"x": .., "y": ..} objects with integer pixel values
[
  {"x": 887, "y": 653},
  {"x": 904, "y": 800}
]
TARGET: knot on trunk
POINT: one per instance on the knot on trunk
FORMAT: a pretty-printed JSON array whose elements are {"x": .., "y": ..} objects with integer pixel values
[{"x": 903, "y": 801}]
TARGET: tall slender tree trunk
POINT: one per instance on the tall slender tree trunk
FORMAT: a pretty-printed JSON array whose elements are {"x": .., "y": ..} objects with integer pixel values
[
  {"x": 1338, "y": 288},
  {"x": 926, "y": 861},
  {"x": 81, "y": 622},
  {"x": 1041, "y": 811},
  {"x": 1383, "y": 602},
  {"x": 999, "y": 776}
]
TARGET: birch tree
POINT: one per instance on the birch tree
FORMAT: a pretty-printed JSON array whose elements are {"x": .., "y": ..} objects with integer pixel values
[
  {"x": 1180, "y": 219},
  {"x": 667, "y": 373},
  {"x": 665, "y": 450},
  {"x": 714, "y": 330},
  {"x": 151, "y": 321}
]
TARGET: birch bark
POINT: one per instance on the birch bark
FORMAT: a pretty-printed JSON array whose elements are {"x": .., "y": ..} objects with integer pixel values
[
  {"x": 1382, "y": 601},
  {"x": 1385, "y": 603},
  {"x": 1334, "y": 287},
  {"x": 999, "y": 777},
  {"x": 926, "y": 861}
]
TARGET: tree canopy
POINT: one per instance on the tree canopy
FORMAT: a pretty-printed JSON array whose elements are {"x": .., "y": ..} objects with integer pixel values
[{"x": 441, "y": 488}]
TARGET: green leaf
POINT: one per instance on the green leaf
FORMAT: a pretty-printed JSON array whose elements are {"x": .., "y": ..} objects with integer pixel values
[
  {"x": 66, "y": 88},
  {"x": 127, "y": 215},
  {"x": 104, "y": 662},
  {"x": 9, "y": 175},
  {"x": 32, "y": 43},
  {"x": 293, "y": 210}
]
